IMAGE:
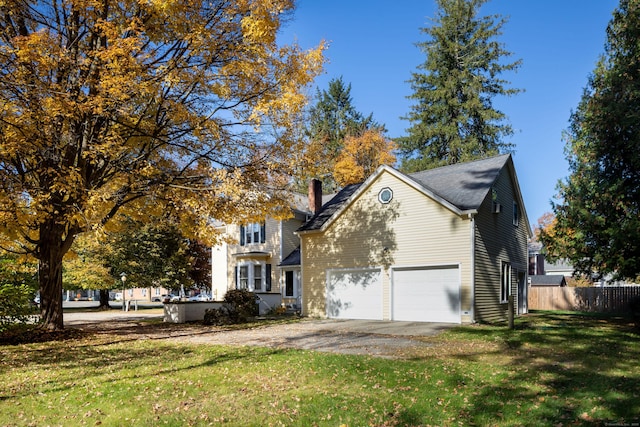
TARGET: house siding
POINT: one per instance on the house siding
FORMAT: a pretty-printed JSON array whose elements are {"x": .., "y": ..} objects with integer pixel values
[
  {"x": 496, "y": 241},
  {"x": 271, "y": 246},
  {"x": 412, "y": 230},
  {"x": 290, "y": 241}
]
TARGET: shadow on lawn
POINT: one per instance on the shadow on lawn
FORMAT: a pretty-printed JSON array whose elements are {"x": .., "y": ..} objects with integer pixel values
[
  {"x": 79, "y": 359},
  {"x": 564, "y": 369}
]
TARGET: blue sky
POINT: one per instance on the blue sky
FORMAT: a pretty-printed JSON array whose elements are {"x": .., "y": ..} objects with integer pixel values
[{"x": 372, "y": 46}]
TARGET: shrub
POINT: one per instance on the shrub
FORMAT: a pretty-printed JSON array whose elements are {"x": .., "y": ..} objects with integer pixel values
[
  {"x": 16, "y": 306},
  {"x": 239, "y": 306}
]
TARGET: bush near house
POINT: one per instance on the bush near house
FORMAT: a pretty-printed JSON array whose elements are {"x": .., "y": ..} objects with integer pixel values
[{"x": 240, "y": 305}]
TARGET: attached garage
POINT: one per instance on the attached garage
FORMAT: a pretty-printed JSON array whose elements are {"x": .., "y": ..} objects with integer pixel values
[
  {"x": 426, "y": 294},
  {"x": 354, "y": 294}
]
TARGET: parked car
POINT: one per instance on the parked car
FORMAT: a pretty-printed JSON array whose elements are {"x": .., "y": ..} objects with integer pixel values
[
  {"x": 200, "y": 297},
  {"x": 160, "y": 298},
  {"x": 171, "y": 298}
]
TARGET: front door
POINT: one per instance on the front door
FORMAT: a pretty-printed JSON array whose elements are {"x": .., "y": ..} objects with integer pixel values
[{"x": 292, "y": 291}]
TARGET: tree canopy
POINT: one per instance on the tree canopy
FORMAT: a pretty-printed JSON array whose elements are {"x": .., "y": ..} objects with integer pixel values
[
  {"x": 361, "y": 156},
  {"x": 331, "y": 120},
  {"x": 598, "y": 213},
  {"x": 453, "y": 118},
  {"x": 140, "y": 107}
]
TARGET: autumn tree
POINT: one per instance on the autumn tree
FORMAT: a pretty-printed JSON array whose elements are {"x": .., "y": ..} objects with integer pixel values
[
  {"x": 361, "y": 156},
  {"x": 453, "y": 118},
  {"x": 141, "y": 107},
  {"x": 86, "y": 266},
  {"x": 598, "y": 212},
  {"x": 331, "y": 120}
]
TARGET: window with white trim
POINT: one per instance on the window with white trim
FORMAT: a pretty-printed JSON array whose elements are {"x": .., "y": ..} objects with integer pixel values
[
  {"x": 252, "y": 233},
  {"x": 243, "y": 277},
  {"x": 254, "y": 276},
  {"x": 505, "y": 282},
  {"x": 516, "y": 214},
  {"x": 257, "y": 277}
]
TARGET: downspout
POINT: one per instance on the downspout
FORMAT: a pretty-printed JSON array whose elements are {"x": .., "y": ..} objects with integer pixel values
[{"x": 473, "y": 267}]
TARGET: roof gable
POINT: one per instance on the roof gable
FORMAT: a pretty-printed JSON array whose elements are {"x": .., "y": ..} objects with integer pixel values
[{"x": 461, "y": 187}]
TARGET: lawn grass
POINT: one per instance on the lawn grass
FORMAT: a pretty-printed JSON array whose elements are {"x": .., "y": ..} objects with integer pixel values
[{"x": 554, "y": 369}]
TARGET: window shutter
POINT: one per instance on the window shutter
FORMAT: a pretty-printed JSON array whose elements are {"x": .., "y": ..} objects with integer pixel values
[
  {"x": 235, "y": 277},
  {"x": 241, "y": 236},
  {"x": 263, "y": 232},
  {"x": 268, "y": 278}
]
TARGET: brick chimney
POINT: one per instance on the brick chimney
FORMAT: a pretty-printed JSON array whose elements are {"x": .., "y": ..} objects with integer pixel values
[{"x": 315, "y": 195}]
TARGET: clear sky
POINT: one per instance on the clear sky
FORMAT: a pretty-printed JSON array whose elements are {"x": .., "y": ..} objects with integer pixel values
[{"x": 372, "y": 46}]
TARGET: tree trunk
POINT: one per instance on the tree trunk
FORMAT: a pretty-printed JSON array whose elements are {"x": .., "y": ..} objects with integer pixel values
[
  {"x": 54, "y": 244},
  {"x": 104, "y": 300},
  {"x": 50, "y": 279}
]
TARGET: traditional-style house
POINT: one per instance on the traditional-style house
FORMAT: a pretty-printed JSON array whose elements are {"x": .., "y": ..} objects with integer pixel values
[
  {"x": 265, "y": 257},
  {"x": 443, "y": 245}
]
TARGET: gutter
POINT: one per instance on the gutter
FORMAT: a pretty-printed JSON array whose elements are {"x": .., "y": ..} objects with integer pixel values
[{"x": 473, "y": 266}]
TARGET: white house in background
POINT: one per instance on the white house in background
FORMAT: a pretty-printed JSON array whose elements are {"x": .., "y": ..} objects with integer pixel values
[{"x": 265, "y": 257}]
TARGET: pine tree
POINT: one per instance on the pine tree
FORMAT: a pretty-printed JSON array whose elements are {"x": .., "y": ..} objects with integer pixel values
[
  {"x": 598, "y": 216},
  {"x": 453, "y": 118}
]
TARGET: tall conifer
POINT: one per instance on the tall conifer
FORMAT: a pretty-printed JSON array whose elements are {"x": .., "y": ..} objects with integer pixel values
[{"x": 453, "y": 118}]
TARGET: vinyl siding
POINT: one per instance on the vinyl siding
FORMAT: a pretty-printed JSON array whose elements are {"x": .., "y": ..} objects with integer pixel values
[
  {"x": 497, "y": 240},
  {"x": 290, "y": 240},
  {"x": 411, "y": 230},
  {"x": 271, "y": 246}
]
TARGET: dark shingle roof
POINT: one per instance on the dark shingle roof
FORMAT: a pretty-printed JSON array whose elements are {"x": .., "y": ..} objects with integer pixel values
[
  {"x": 329, "y": 208},
  {"x": 464, "y": 185},
  {"x": 292, "y": 259}
]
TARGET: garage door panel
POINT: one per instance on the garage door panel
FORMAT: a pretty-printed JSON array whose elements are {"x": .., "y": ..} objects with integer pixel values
[
  {"x": 426, "y": 294},
  {"x": 355, "y": 294}
]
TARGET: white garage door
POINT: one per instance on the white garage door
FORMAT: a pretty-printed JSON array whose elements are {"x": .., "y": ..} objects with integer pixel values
[
  {"x": 426, "y": 294},
  {"x": 354, "y": 294}
]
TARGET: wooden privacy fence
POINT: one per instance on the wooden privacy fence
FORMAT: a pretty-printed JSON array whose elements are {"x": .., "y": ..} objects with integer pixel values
[{"x": 609, "y": 299}]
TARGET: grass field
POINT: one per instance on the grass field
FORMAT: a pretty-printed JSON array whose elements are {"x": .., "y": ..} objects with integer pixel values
[{"x": 554, "y": 369}]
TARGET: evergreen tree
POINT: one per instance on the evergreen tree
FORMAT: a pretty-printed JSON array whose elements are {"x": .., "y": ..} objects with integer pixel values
[
  {"x": 453, "y": 118},
  {"x": 598, "y": 218},
  {"x": 332, "y": 119}
]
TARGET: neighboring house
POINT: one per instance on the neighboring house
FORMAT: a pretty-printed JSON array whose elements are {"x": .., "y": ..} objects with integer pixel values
[
  {"x": 442, "y": 245},
  {"x": 548, "y": 280},
  {"x": 265, "y": 257},
  {"x": 562, "y": 267}
]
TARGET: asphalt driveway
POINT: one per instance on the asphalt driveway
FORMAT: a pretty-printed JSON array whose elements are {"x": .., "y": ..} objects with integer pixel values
[{"x": 375, "y": 338}]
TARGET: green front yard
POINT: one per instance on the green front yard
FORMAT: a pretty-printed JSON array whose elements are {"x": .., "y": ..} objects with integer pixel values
[{"x": 554, "y": 369}]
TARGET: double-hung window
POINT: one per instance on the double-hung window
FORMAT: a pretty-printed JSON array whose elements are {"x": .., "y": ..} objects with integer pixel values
[
  {"x": 252, "y": 233},
  {"x": 254, "y": 276},
  {"x": 505, "y": 282},
  {"x": 257, "y": 277},
  {"x": 243, "y": 277}
]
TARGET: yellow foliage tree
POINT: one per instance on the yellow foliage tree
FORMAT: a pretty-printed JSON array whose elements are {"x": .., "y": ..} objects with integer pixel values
[
  {"x": 141, "y": 107},
  {"x": 362, "y": 155}
]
